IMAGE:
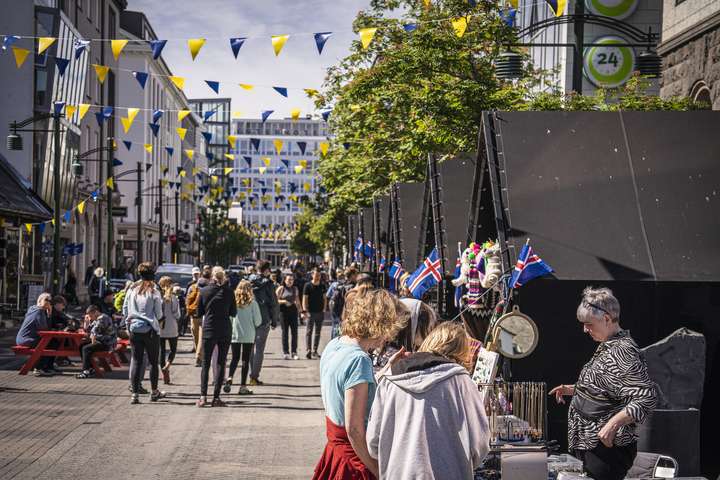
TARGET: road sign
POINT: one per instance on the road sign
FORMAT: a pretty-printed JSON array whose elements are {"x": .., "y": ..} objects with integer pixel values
[{"x": 119, "y": 211}]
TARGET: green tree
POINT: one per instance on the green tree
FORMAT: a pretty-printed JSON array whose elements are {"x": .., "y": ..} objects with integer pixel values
[{"x": 224, "y": 241}]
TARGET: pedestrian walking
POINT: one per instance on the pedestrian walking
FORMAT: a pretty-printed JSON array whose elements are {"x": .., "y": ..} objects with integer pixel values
[
  {"x": 244, "y": 323},
  {"x": 89, "y": 272},
  {"x": 347, "y": 384},
  {"x": 192, "y": 300},
  {"x": 314, "y": 307},
  {"x": 269, "y": 309},
  {"x": 216, "y": 306},
  {"x": 101, "y": 337},
  {"x": 289, "y": 300},
  {"x": 336, "y": 301},
  {"x": 428, "y": 417},
  {"x": 97, "y": 287},
  {"x": 169, "y": 332},
  {"x": 142, "y": 311}
]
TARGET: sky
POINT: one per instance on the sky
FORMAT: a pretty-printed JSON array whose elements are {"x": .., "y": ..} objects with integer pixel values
[{"x": 298, "y": 66}]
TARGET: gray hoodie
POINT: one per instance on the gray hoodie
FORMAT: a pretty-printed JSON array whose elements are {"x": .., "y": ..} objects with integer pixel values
[{"x": 428, "y": 421}]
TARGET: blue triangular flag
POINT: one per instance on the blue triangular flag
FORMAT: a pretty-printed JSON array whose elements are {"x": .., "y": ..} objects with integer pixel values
[
  {"x": 265, "y": 114},
  {"x": 215, "y": 86},
  {"x": 41, "y": 228},
  {"x": 170, "y": 151},
  {"x": 128, "y": 144},
  {"x": 410, "y": 27},
  {"x": 208, "y": 114},
  {"x": 156, "y": 115},
  {"x": 236, "y": 43},
  {"x": 95, "y": 194},
  {"x": 508, "y": 16},
  {"x": 326, "y": 114},
  {"x": 302, "y": 146},
  {"x": 148, "y": 166},
  {"x": 116, "y": 162},
  {"x": 67, "y": 216},
  {"x": 320, "y": 39},
  {"x": 100, "y": 118},
  {"x": 346, "y": 145},
  {"x": 9, "y": 41},
  {"x": 155, "y": 128},
  {"x": 210, "y": 156},
  {"x": 286, "y": 163},
  {"x": 293, "y": 186},
  {"x": 157, "y": 47},
  {"x": 141, "y": 77},
  {"x": 107, "y": 112},
  {"x": 255, "y": 142},
  {"x": 58, "y": 107},
  {"x": 80, "y": 46},
  {"x": 208, "y": 136},
  {"x": 62, "y": 64},
  {"x": 248, "y": 160},
  {"x": 282, "y": 91}
]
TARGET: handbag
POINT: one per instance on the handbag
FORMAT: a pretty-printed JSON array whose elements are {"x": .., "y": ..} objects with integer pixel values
[{"x": 591, "y": 403}]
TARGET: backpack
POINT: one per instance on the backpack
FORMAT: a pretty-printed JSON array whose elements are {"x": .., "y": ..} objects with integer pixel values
[{"x": 337, "y": 302}]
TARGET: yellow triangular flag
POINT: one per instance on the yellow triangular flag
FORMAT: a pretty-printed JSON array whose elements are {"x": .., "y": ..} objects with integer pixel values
[
  {"x": 181, "y": 132},
  {"x": 228, "y": 170},
  {"x": 70, "y": 111},
  {"x": 278, "y": 42},
  {"x": 459, "y": 25},
  {"x": 303, "y": 163},
  {"x": 230, "y": 157},
  {"x": 232, "y": 140},
  {"x": 366, "y": 36},
  {"x": 246, "y": 86},
  {"x": 278, "y": 146},
  {"x": 117, "y": 47},
  {"x": 324, "y": 148},
  {"x": 246, "y": 181},
  {"x": 195, "y": 171},
  {"x": 126, "y": 123},
  {"x": 44, "y": 43},
  {"x": 182, "y": 114},
  {"x": 182, "y": 173},
  {"x": 298, "y": 169},
  {"x": 190, "y": 153},
  {"x": 21, "y": 55},
  {"x": 132, "y": 113},
  {"x": 236, "y": 114},
  {"x": 184, "y": 196},
  {"x": 178, "y": 81},
  {"x": 214, "y": 179},
  {"x": 195, "y": 44},
  {"x": 262, "y": 169},
  {"x": 266, "y": 161},
  {"x": 295, "y": 113},
  {"x": 164, "y": 183},
  {"x": 101, "y": 71},
  {"x": 28, "y": 227},
  {"x": 84, "y": 107},
  {"x": 110, "y": 183},
  {"x": 307, "y": 186},
  {"x": 148, "y": 147},
  {"x": 81, "y": 207}
]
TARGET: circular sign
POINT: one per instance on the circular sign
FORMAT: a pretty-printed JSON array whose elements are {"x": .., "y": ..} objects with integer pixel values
[
  {"x": 607, "y": 65},
  {"x": 617, "y": 9}
]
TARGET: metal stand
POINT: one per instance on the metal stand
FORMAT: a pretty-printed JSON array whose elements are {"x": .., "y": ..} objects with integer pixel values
[{"x": 438, "y": 227}]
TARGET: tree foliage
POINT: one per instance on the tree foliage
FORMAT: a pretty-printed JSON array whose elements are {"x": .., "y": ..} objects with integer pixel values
[{"x": 224, "y": 242}]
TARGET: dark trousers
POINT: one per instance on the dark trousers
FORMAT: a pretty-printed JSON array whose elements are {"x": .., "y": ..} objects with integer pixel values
[
  {"x": 87, "y": 351},
  {"x": 314, "y": 325},
  {"x": 45, "y": 363},
  {"x": 603, "y": 463},
  {"x": 140, "y": 343},
  {"x": 208, "y": 345},
  {"x": 289, "y": 329},
  {"x": 240, "y": 351},
  {"x": 173, "y": 349}
]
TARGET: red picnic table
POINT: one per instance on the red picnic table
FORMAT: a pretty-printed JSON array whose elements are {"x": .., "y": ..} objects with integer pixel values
[{"x": 69, "y": 344}]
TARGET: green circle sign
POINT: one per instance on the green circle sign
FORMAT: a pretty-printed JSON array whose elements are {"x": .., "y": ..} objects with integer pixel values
[
  {"x": 608, "y": 66},
  {"x": 617, "y": 9}
]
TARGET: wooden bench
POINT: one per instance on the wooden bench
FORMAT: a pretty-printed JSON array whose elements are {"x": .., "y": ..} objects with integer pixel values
[
  {"x": 98, "y": 357},
  {"x": 121, "y": 349}
]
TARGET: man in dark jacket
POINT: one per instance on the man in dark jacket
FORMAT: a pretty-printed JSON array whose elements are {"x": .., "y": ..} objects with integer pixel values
[
  {"x": 37, "y": 319},
  {"x": 264, "y": 292},
  {"x": 216, "y": 306}
]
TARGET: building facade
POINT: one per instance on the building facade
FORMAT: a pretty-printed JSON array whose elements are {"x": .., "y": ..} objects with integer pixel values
[{"x": 690, "y": 49}]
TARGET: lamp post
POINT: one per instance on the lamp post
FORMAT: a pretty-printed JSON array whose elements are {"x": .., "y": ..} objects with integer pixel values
[{"x": 14, "y": 142}]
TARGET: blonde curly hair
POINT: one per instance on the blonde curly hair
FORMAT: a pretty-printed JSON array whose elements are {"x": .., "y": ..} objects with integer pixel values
[
  {"x": 244, "y": 294},
  {"x": 166, "y": 286},
  {"x": 449, "y": 340},
  {"x": 375, "y": 314}
]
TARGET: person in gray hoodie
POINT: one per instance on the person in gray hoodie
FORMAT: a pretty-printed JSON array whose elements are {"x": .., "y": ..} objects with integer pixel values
[{"x": 428, "y": 417}]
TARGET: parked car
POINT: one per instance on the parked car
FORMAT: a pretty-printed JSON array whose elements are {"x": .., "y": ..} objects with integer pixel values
[{"x": 180, "y": 273}]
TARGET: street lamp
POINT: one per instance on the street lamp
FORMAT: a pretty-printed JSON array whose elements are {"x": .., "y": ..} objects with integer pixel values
[{"x": 15, "y": 143}]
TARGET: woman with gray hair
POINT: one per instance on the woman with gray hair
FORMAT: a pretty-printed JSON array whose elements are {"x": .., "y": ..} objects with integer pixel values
[{"x": 613, "y": 392}]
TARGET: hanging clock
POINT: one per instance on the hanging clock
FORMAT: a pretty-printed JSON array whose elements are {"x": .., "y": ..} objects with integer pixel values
[
  {"x": 607, "y": 64},
  {"x": 617, "y": 9}
]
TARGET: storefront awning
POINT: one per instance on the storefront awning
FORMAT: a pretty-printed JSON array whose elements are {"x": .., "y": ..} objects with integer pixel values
[{"x": 18, "y": 201}]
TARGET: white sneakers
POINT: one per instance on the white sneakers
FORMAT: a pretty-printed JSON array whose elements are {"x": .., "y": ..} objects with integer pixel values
[{"x": 286, "y": 356}]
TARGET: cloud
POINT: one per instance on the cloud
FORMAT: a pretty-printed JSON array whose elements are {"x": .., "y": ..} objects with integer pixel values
[{"x": 298, "y": 65}]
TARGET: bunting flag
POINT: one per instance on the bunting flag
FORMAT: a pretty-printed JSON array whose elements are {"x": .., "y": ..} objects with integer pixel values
[
  {"x": 245, "y": 86},
  {"x": 81, "y": 207},
  {"x": 21, "y": 55},
  {"x": 366, "y": 36},
  {"x": 255, "y": 142},
  {"x": 302, "y": 146},
  {"x": 286, "y": 163},
  {"x": 230, "y": 157},
  {"x": 155, "y": 129},
  {"x": 236, "y": 114},
  {"x": 9, "y": 41},
  {"x": 148, "y": 147},
  {"x": 267, "y": 161},
  {"x": 157, "y": 47},
  {"x": 141, "y": 78},
  {"x": 80, "y": 46},
  {"x": 278, "y": 42},
  {"x": 557, "y": 6},
  {"x": 61, "y": 64},
  {"x": 303, "y": 163},
  {"x": 278, "y": 145},
  {"x": 126, "y": 123},
  {"x": 132, "y": 113},
  {"x": 320, "y": 39},
  {"x": 70, "y": 111},
  {"x": 281, "y": 90},
  {"x": 298, "y": 168},
  {"x": 195, "y": 44},
  {"x": 235, "y": 44},
  {"x": 208, "y": 114},
  {"x": 67, "y": 216},
  {"x": 195, "y": 171},
  {"x": 295, "y": 114},
  {"x": 157, "y": 114},
  {"x": 44, "y": 43},
  {"x": 182, "y": 114},
  {"x": 107, "y": 112},
  {"x": 110, "y": 183},
  {"x": 207, "y": 136},
  {"x": 311, "y": 92},
  {"x": 265, "y": 114},
  {"x": 148, "y": 166},
  {"x": 99, "y": 118},
  {"x": 95, "y": 194},
  {"x": 248, "y": 160},
  {"x": 117, "y": 47},
  {"x": 410, "y": 27},
  {"x": 128, "y": 144},
  {"x": 214, "y": 86},
  {"x": 101, "y": 71},
  {"x": 58, "y": 107},
  {"x": 459, "y": 24},
  {"x": 190, "y": 153},
  {"x": 28, "y": 227},
  {"x": 307, "y": 186},
  {"x": 346, "y": 145},
  {"x": 232, "y": 140},
  {"x": 326, "y": 114},
  {"x": 83, "y": 109},
  {"x": 179, "y": 82},
  {"x": 181, "y": 132},
  {"x": 324, "y": 148},
  {"x": 262, "y": 170},
  {"x": 181, "y": 172},
  {"x": 116, "y": 162},
  {"x": 227, "y": 170}
]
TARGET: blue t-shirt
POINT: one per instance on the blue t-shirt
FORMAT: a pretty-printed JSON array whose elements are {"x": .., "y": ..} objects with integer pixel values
[{"x": 342, "y": 366}]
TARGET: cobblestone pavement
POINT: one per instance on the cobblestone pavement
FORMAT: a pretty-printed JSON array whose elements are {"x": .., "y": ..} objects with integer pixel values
[{"x": 64, "y": 428}]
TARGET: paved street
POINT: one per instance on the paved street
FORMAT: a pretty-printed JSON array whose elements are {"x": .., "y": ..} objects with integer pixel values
[{"x": 61, "y": 427}]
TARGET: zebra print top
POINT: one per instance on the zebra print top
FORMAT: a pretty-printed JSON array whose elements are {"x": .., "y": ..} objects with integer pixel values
[{"x": 618, "y": 370}]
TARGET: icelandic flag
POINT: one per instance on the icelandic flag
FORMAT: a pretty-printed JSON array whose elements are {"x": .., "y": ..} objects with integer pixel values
[
  {"x": 382, "y": 264},
  {"x": 528, "y": 266},
  {"x": 369, "y": 250},
  {"x": 395, "y": 272},
  {"x": 458, "y": 289},
  {"x": 426, "y": 276}
]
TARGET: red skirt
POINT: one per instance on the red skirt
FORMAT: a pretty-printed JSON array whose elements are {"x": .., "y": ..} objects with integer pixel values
[{"x": 339, "y": 461}]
